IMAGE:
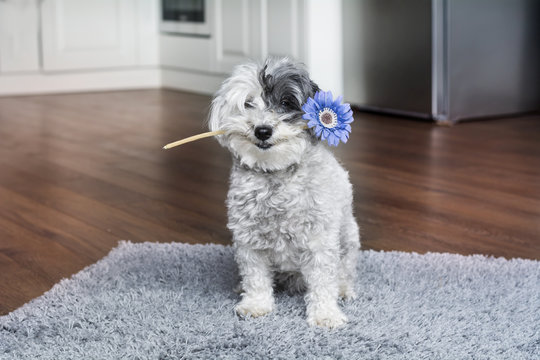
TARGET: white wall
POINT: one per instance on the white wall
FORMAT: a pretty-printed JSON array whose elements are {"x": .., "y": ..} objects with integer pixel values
[{"x": 323, "y": 37}]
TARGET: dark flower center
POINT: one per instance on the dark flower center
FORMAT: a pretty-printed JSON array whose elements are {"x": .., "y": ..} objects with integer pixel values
[{"x": 326, "y": 118}]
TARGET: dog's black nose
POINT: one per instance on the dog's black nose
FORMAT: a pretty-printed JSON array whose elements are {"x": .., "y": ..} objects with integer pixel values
[{"x": 263, "y": 132}]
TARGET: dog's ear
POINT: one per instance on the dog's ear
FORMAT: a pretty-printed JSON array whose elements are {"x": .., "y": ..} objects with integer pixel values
[{"x": 216, "y": 113}]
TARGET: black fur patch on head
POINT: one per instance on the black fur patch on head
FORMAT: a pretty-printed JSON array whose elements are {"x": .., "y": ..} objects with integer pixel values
[
  {"x": 286, "y": 86},
  {"x": 265, "y": 80}
]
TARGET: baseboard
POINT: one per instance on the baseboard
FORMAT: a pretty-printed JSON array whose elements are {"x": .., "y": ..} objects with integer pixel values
[
  {"x": 393, "y": 112},
  {"x": 59, "y": 82},
  {"x": 201, "y": 83},
  {"x": 62, "y": 82}
]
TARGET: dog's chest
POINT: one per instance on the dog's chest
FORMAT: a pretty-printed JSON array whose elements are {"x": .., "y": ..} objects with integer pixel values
[
  {"x": 271, "y": 212},
  {"x": 263, "y": 197}
]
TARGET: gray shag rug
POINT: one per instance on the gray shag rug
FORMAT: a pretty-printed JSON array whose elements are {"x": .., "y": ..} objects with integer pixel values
[{"x": 174, "y": 301}]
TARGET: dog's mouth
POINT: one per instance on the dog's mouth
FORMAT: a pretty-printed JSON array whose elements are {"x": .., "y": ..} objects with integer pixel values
[{"x": 264, "y": 145}]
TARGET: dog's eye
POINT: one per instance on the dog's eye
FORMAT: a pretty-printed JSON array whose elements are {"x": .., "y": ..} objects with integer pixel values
[
  {"x": 248, "y": 105},
  {"x": 285, "y": 103}
]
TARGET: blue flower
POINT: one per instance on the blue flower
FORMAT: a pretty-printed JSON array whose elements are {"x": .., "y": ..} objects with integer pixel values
[{"x": 330, "y": 119}]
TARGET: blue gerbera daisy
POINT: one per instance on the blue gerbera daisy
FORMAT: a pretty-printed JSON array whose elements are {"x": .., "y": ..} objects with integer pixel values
[{"x": 329, "y": 117}]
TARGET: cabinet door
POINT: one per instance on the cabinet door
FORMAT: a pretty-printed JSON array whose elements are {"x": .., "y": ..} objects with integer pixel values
[
  {"x": 237, "y": 32},
  {"x": 82, "y": 34},
  {"x": 19, "y": 49},
  {"x": 284, "y": 21}
]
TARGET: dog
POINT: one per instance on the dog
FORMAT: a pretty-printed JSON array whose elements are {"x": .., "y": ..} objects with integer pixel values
[{"x": 290, "y": 201}]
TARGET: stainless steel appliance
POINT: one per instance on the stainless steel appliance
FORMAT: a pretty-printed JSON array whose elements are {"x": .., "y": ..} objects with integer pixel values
[
  {"x": 187, "y": 17},
  {"x": 443, "y": 59}
]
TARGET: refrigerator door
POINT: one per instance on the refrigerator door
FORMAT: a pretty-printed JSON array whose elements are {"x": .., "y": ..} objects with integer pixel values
[
  {"x": 387, "y": 55},
  {"x": 486, "y": 58}
]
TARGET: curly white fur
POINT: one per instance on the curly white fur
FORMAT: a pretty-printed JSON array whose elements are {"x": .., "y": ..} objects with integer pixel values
[{"x": 290, "y": 201}]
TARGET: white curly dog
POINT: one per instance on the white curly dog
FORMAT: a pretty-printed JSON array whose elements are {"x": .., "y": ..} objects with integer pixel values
[{"x": 290, "y": 201}]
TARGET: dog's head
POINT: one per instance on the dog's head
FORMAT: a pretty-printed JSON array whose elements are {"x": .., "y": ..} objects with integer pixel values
[{"x": 260, "y": 109}]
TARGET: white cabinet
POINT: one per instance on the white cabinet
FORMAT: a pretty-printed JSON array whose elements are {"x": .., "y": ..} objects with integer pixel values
[
  {"x": 76, "y": 45},
  {"x": 19, "y": 46},
  {"x": 82, "y": 34}
]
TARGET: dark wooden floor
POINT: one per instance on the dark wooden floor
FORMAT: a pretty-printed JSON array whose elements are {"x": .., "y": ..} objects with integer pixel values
[{"x": 80, "y": 172}]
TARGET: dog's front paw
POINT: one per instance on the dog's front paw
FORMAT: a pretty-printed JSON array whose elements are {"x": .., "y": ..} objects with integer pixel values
[
  {"x": 330, "y": 317},
  {"x": 254, "y": 307},
  {"x": 346, "y": 292}
]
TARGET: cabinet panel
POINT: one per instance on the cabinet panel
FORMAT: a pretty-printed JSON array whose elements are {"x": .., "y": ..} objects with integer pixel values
[
  {"x": 19, "y": 49},
  {"x": 80, "y": 34},
  {"x": 235, "y": 28},
  {"x": 237, "y": 24},
  {"x": 187, "y": 53},
  {"x": 283, "y": 27}
]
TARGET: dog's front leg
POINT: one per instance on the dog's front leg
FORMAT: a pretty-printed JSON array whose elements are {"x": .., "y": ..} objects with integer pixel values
[
  {"x": 257, "y": 297},
  {"x": 320, "y": 272}
]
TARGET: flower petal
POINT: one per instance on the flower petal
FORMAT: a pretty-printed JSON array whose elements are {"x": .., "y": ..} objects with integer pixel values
[
  {"x": 310, "y": 106},
  {"x": 344, "y": 136},
  {"x": 325, "y": 134},
  {"x": 328, "y": 99},
  {"x": 306, "y": 108},
  {"x": 343, "y": 108},
  {"x": 316, "y": 107},
  {"x": 310, "y": 116},
  {"x": 348, "y": 121},
  {"x": 338, "y": 138},
  {"x": 346, "y": 116},
  {"x": 312, "y": 123},
  {"x": 336, "y": 102},
  {"x": 330, "y": 138},
  {"x": 317, "y": 97}
]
